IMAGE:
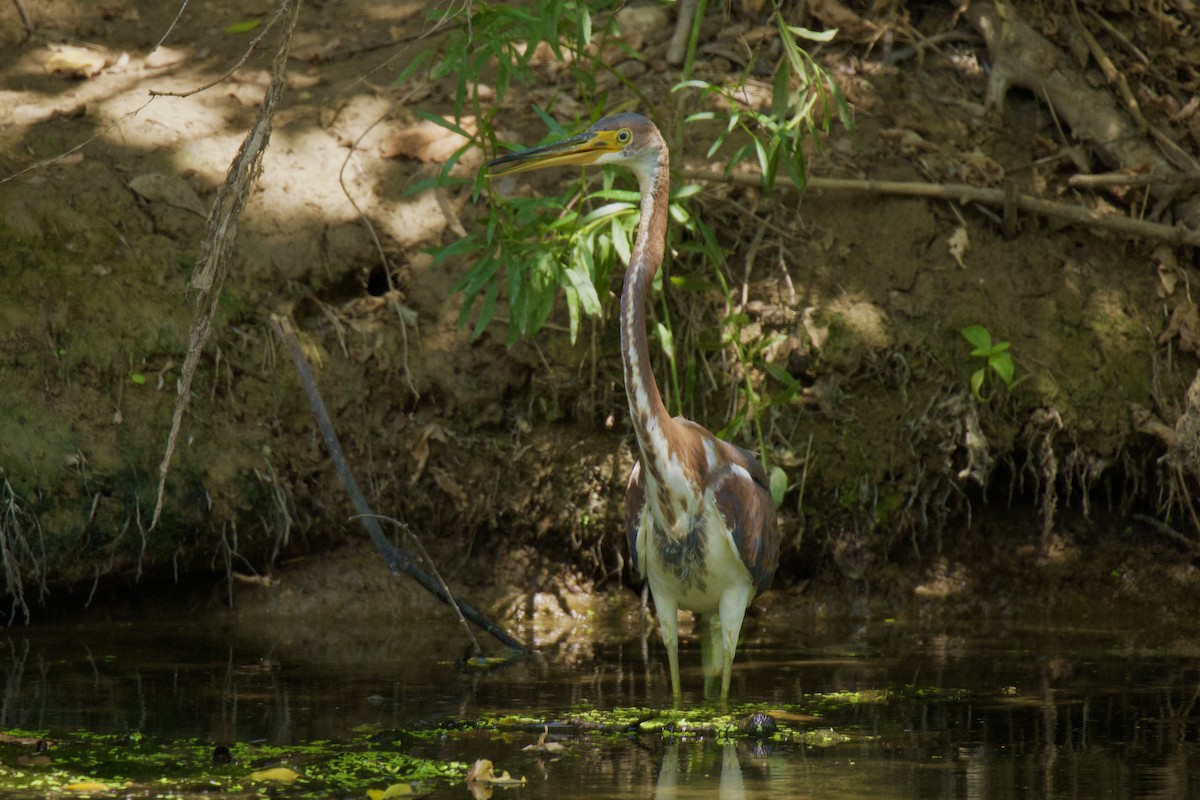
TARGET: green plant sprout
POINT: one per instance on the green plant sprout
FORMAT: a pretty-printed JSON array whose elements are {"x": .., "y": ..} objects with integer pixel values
[
  {"x": 995, "y": 355},
  {"x": 804, "y": 100}
]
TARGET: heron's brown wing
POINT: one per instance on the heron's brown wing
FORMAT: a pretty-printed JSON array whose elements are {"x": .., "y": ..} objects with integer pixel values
[
  {"x": 748, "y": 511},
  {"x": 750, "y": 462},
  {"x": 635, "y": 498}
]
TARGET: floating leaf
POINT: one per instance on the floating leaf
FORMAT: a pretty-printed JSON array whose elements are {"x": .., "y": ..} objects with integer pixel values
[
  {"x": 482, "y": 771},
  {"x": 393, "y": 791},
  {"x": 487, "y": 662},
  {"x": 87, "y": 786},
  {"x": 275, "y": 774}
]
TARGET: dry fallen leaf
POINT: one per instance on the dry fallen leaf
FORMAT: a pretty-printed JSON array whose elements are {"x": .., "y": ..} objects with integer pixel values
[
  {"x": 982, "y": 170},
  {"x": 420, "y": 449},
  {"x": 1169, "y": 272},
  {"x": 315, "y": 52},
  {"x": 482, "y": 771},
  {"x": 253, "y": 580},
  {"x": 907, "y": 141},
  {"x": 959, "y": 243},
  {"x": 79, "y": 62},
  {"x": 275, "y": 775},
  {"x": 817, "y": 334},
  {"x": 250, "y": 95},
  {"x": 1184, "y": 323},
  {"x": 162, "y": 56},
  {"x": 450, "y": 487},
  {"x": 835, "y": 14},
  {"x": 393, "y": 791}
]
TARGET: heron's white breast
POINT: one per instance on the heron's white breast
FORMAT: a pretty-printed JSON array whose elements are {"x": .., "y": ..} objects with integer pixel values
[{"x": 722, "y": 567}]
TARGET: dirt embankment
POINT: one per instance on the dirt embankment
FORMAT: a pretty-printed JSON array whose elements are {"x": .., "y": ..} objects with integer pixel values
[{"x": 512, "y": 460}]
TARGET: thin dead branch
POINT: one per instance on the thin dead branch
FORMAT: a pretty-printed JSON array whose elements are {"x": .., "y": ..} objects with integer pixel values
[
  {"x": 1190, "y": 182},
  {"x": 1168, "y": 531},
  {"x": 250, "y": 49},
  {"x": 215, "y": 254},
  {"x": 397, "y": 560},
  {"x": 475, "y": 648},
  {"x": 962, "y": 193},
  {"x": 26, "y": 22},
  {"x": 178, "y": 15}
]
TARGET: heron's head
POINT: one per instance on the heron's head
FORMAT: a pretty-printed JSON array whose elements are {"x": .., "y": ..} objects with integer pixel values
[{"x": 627, "y": 138}]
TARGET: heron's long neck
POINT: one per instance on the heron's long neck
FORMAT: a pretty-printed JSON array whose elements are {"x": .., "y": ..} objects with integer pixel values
[{"x": 650, "y": 419}]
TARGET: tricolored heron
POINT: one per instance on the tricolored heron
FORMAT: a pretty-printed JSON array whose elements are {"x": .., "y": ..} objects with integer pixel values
[{"x": 698, "y": 514}]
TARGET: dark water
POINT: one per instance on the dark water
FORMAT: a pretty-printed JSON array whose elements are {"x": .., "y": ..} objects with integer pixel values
[{"x": 953, "y": 711}]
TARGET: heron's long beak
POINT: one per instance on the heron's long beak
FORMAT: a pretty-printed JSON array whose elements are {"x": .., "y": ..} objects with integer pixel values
[{"x": 583, "y": 148}]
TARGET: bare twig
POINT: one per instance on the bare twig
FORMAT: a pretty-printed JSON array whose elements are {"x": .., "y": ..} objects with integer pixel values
[
  {"x": 962, "y": 193},
  {"x": 383, "y": 259},
  {"x": 279, "y": 12},
  {"x": 48, "y": 161},
  {"x": 171, "y": 27},
  {"x": 26, "y": 22},
  {"x": 213, "y": 262},
  {"x": 397, "y": 560},
  {"x": 1113, "y": 75},
  {"x": 1167, "y": 531},
  {"x": 438, "y": 577},
  {"x": 1191, "y": 181}
]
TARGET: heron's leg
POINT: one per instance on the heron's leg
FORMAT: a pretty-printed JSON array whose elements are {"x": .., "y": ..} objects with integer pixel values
[
  {"x": 712, "y": 651},
  {"x": 733, "y": 611},
  {"x": 668, "y": 622}
]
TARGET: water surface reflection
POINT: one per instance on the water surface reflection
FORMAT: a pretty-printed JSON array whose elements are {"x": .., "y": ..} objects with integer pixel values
[{"x": 959, "y": 712}]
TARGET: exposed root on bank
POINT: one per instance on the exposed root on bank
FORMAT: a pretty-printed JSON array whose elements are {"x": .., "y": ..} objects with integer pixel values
[
  {"x": 23, "y": 562},
  {"x": 1044, "y": 424},
  {"x": 217, "y": 250},
  {"x": 1181, "y": 461},
  {"x": 1125, "y": 139}
]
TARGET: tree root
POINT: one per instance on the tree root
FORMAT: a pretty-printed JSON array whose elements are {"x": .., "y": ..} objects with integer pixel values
[
  {"x": 1124, "y": 139},
  {"x": 1182, "y": 444}
]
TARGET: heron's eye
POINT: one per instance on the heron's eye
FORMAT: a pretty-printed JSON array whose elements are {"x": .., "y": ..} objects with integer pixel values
[{"x": 624, "y": 135}]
